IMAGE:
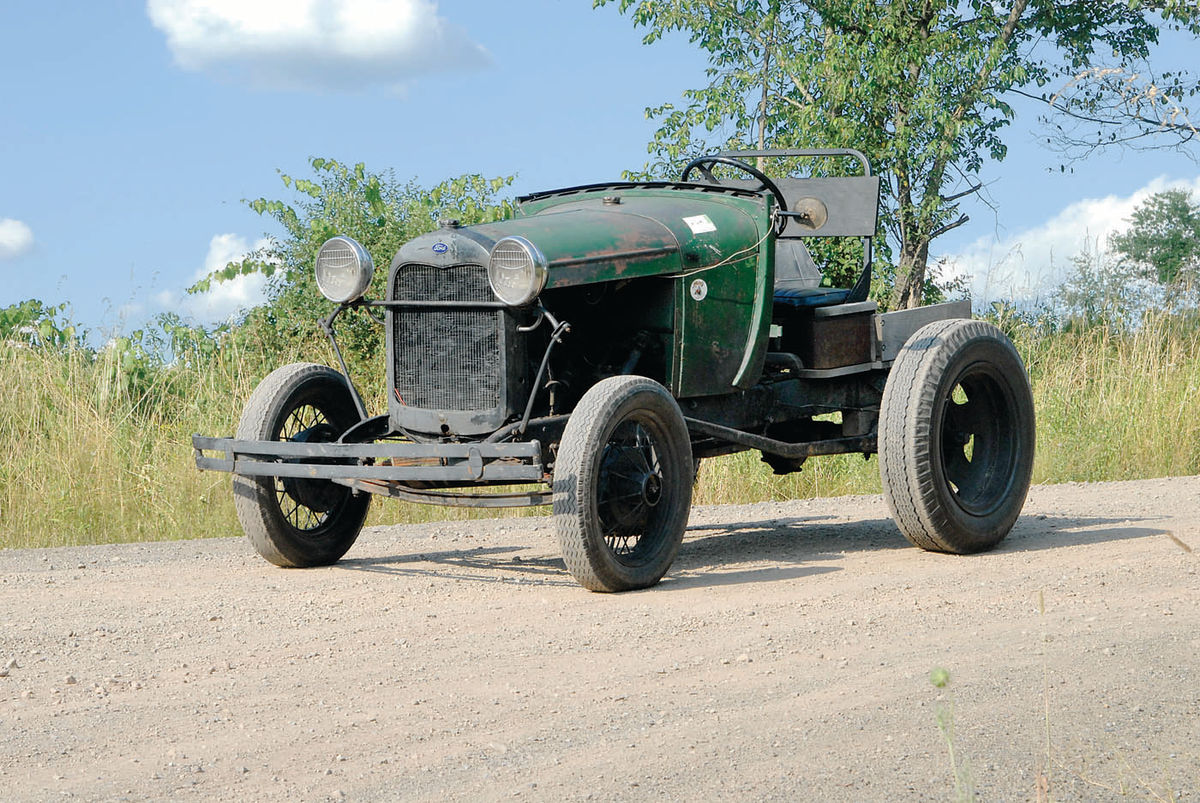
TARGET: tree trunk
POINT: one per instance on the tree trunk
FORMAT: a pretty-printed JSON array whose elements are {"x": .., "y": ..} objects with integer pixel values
[
  {"x": 909, "y": 291},
  {"x": 762, "y": 106}
]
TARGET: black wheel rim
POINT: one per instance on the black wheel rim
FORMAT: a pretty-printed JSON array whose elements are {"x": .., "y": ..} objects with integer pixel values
[
  {"x": 979, "y": 442},
  {"x": 308, "y": 505},
  {"x": 633, "y": 494}
]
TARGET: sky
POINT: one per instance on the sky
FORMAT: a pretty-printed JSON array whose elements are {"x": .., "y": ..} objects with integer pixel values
[{"x": 132, "y": 132}]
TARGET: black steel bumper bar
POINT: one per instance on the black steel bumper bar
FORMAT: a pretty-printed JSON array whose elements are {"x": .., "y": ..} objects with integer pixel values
[{"x": 443, "y": 462}]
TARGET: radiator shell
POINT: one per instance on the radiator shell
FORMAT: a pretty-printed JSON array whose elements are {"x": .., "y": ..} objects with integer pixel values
[{"x": 457, "y": 369}]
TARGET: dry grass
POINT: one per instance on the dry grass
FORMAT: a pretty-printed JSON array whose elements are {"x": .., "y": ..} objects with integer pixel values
[
  {"x": 1117, "y": 407},
  {"x": 90, "y": 459},
  {"x": 95, "y": 452},
  {"x": 92, "y": 456},
  {"x": 742, "y": 478}
]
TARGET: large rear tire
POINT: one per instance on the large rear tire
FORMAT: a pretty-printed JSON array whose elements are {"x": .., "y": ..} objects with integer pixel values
[
  {"x": 956, "y": 437},
  {"x": 622, "y": 485},
  {"x": 299, "y": 522}
]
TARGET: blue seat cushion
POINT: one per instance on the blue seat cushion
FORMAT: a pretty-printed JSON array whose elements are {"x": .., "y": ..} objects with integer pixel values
[{"x": 797, "y": 298}]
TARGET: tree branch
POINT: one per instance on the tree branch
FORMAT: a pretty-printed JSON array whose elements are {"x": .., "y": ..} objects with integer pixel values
[
  {"x": 938, "y": 232},
  {"x": 968, "y": 99},
  {"x": 963, "y": 194},
  {"x": 802, "y": 89}
]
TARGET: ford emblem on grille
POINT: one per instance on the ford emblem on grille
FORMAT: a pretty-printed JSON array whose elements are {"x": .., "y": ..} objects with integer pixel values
[{"x": 440, "y": 248}]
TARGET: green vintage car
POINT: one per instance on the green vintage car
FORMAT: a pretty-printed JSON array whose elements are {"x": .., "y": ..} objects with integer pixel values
[{"x": 590, "y": 351}]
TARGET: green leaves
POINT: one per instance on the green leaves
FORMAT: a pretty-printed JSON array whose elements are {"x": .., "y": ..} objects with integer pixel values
[
  {"x": 39, "y": 325},
  {"x": 258, "y": 262},
  {"x": 921, "y": 86},
  {"x": 1163, "y": 240},
  {"x": 376, "y": 209}
]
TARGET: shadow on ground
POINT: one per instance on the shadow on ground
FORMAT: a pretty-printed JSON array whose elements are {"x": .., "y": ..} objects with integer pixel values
[
  {"x": 792, "y": 545},
  {"x": 497, "y": 564},
  {"x": 1040, "y": 531}
]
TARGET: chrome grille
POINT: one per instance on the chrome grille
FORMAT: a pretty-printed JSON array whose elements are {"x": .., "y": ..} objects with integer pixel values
[{"x": 446, "y": 359}]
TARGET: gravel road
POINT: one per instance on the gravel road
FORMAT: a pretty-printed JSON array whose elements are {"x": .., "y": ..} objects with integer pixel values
[{"x": 786, "y": 656}]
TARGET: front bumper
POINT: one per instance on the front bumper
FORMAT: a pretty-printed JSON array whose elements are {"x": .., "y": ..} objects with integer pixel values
[{"x": 485, "y": 463}]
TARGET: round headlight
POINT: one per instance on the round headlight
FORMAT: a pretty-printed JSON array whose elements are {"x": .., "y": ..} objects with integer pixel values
[
  {"x": 344, "y": 270},
  {"x": 516, "y": 271}
]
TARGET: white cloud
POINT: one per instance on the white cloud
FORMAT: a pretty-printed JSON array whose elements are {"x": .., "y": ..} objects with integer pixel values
[
  {"x": 16, "y": 238},
  {"x": 314, "y": 44},
  {"x": 225, "y": 299},
  {"x": 1029, "y": 263}
]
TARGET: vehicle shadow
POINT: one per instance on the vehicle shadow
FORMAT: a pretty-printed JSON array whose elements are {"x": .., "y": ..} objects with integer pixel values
[
  {"x": 495, "y": 564},
  {"x": 807, "y": 537},
  {"x": 681, "y": 577},
  {"x": 716, "y": 554},
  {"x": 699, "y": 562},
  {"x": 1035, "y": 532}
]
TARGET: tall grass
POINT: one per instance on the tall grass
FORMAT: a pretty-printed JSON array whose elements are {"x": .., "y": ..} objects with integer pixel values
[
  {"x": 96, "y": 452},
  {"x": 90, "y": 457},
  {"x": 1117, "y": 406},
  {"x": 741, "y": 478}
]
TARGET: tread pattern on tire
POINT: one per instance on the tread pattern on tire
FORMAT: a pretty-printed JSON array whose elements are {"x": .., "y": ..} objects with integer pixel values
[
  {"x": 575, "y": 470},
  {"x": 254, "y": 497},
  {"x": 905, "y": 438}
]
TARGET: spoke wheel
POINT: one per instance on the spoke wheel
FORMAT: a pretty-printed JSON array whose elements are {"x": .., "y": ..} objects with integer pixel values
[
  {"x": 956, "y": 437},
  {"x": 622, "y": 485},
  {"x": 294, "y": 521}
]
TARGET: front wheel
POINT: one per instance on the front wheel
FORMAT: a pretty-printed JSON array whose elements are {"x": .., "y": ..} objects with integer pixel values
[
  {"x": 623, "y": 485},
  {"x": 956, "y": 437},
  {"x": 299, "y": 522}
]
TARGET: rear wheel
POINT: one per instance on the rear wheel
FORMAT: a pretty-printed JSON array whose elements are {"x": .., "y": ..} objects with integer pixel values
[
  {"x": 956, "y": 437},
  {"x": 623, "y": 485},
  {"x": 299, "y": 522}
]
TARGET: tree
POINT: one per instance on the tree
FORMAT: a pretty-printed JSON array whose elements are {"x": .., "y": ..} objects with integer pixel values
[
  {"x": 1100, "y": 290},
  {"x": 921, "y": 86},
  {"x": 1152, "y": 265},
  {"x": 375, "y": 209},
  {"x": 1163, "y": 239},
  {"x": 1126, "y": 103}
]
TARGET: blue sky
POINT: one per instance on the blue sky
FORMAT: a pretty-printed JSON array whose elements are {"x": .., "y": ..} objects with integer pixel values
[{"x": 132, "y": 131}]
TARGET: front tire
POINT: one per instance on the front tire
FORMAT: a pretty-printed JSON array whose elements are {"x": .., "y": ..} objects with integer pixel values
[
  {"x": 956, "y": 437},
  {"x": 622, "y": 485},
  {"x": 299, "y": 522}
]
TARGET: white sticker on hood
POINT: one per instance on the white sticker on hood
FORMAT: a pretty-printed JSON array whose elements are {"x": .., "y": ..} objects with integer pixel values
[{"x": 699, "y": 224}]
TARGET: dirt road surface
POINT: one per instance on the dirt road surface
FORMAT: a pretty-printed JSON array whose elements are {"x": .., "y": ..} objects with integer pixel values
[{"x": 787, "y": 656}]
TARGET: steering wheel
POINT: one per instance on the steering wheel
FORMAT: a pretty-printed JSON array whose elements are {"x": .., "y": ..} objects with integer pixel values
[{"x": 704, "y": 164}]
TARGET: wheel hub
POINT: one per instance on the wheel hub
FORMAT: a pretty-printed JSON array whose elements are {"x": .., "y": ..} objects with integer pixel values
[
  {"x": 631, "y": 485},
  {"x": 977, "y": 457},
  {"x": 320, "y": 496},
  {"x": 651, "y": 489}
]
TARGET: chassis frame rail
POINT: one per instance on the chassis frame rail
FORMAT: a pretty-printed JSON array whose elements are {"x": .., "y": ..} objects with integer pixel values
[{"x": 866, "y": 444}]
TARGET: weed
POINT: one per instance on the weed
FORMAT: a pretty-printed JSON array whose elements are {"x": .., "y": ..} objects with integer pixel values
[
  {"x": 1043, "y": 776},
  {"x": 964, "y": 784}
]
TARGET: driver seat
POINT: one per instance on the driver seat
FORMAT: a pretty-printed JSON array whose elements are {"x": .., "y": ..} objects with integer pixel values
[{"x": 798, "y": 279}]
